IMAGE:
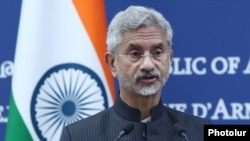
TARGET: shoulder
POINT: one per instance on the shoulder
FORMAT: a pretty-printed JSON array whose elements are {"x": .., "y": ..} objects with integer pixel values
[
  {"x": 88, "y": 127},
  {"x": 185, "y": 118},
  {"x": 92, "y": 120},
  {"x": 192, "y": 125}
]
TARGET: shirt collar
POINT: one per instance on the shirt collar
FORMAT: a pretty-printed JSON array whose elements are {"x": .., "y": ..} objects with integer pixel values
[{"x": 132, "y": 114}]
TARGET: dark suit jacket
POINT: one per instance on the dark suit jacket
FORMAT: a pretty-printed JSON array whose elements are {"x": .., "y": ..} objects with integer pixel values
[{"x": 106, "y": 125}]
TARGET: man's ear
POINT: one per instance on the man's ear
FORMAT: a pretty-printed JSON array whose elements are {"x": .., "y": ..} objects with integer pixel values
[
  {"x": 171, "y": 58},
  {"x": 171, "y": 55},
  {"x": 110, "y": 61}
]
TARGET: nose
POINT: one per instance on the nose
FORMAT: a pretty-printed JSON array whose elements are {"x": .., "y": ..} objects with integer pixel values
[{"x": 147, "y": 63}]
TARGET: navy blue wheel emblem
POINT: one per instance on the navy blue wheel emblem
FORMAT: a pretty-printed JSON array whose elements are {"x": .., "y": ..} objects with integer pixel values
[{"x": 66, "y": 93}]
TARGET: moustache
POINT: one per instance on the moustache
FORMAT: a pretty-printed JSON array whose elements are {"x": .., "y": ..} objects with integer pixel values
[{"x": 147, "y": 74}]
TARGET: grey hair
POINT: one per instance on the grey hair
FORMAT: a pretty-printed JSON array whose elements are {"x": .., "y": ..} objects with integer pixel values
[{"x": 133, "y": 18}]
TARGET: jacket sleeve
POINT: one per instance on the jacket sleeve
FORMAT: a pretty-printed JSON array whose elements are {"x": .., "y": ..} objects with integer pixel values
[{"x": 65, "y": 136}]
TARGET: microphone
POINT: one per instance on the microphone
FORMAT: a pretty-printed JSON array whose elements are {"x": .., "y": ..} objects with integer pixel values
[
  {"x": 125, "y": 130},
  {"x": 180, "y": 131}
]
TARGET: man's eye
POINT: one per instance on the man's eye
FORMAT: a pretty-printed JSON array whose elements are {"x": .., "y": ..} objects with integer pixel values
[
  {"x": 157, "y": 53},
  {"x": 134, "y": 54}
]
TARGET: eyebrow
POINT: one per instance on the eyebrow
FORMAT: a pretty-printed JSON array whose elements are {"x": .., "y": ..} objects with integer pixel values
[
  {"x": 159, "y": 45},
  {"x": 131, "y": 45},
  {"x": 139, "y": 46}
]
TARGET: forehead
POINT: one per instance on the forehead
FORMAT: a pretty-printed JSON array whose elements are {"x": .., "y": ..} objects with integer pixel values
[{"x": 145, "y": 36}]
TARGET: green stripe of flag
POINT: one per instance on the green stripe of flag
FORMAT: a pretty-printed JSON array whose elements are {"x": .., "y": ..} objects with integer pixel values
[{"x": 16, "y": 128}]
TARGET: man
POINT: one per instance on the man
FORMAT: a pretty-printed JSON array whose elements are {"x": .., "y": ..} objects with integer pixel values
[{"x": 139, "y": 55}]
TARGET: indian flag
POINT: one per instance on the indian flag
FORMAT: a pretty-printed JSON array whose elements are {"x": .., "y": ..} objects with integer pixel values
[{"x": 60, "y": 74}]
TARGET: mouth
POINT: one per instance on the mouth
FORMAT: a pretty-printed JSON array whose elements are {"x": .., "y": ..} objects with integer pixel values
[{"x": 148, "y": 79}]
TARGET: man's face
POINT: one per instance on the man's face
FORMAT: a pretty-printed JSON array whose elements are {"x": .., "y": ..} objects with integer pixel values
[{"x": 142, "y": 62}]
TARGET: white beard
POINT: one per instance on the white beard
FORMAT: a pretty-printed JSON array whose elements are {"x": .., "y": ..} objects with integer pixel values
[{"x": 133, "y": 85}]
